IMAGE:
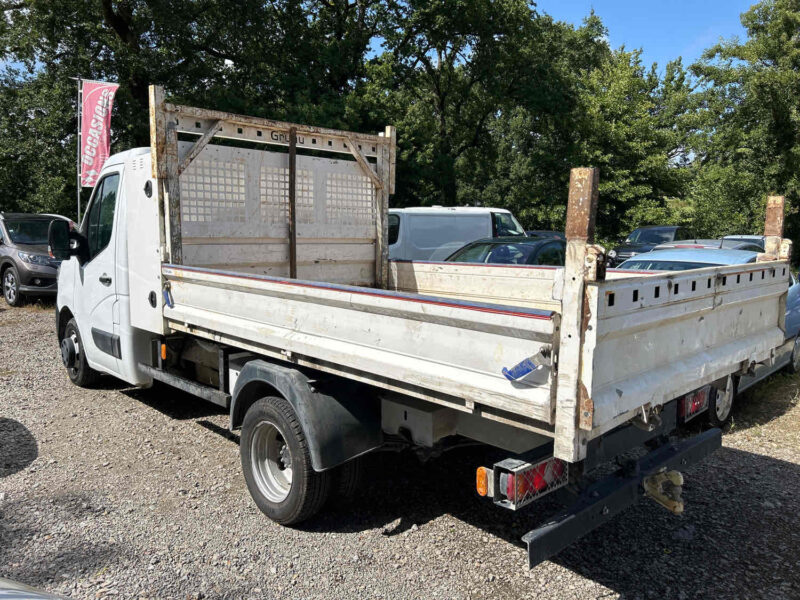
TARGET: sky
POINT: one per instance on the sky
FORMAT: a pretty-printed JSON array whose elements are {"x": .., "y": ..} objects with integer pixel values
[{"x": 662, "y": 29}]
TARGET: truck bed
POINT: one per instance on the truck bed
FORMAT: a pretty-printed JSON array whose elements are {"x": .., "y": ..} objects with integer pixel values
[
  {"x": 286, "y": 256},
  {"x": 641, "y": 347}
]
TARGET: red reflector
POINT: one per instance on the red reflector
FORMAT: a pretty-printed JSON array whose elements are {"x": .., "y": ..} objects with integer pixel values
[
  {"x": 531, "y": 482},
  {"x": 693, "y": 403}
]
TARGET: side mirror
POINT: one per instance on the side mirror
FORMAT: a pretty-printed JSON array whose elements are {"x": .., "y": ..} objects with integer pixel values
[{"x": 58, "y": 239}]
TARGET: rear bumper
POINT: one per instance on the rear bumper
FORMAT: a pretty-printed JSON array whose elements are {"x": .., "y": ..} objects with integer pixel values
[{"x": 606, "y": 498}]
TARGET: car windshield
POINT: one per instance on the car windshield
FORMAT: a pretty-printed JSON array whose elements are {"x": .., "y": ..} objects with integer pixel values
[
  {"x": 509, "y": 253},
  {"x": 28, "y": 231},
  {"x": 651, "y": 236},
  {"x": 505, "y": 224},
  {"x": 663, "y": 265}
]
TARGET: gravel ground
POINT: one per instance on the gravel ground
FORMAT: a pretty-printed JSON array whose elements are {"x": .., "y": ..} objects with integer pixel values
[{"x": 117, "y": 492}]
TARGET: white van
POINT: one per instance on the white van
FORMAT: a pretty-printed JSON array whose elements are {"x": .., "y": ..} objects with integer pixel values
[{"x": 434, "y": 233}]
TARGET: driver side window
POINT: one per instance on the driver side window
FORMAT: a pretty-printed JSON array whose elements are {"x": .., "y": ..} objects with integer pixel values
[{"x": 99, "y": 221}]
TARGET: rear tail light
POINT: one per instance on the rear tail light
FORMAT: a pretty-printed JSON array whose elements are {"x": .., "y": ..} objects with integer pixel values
[
  {"x": 514, "y": 483},
  {"x": 693, "y": 403}
]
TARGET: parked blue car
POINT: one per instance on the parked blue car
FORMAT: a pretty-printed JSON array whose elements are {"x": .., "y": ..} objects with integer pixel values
[{"x": 681, "y": 259}]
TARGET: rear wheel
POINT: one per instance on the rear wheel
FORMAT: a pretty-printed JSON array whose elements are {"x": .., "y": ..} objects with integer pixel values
[
  {"x": 720, "y": 405},
  {"x": 277, "y": 464},
  {"x": 11, "y": 291},
  {"x": 73, "y": 357},
  {"x": 346, "y": 481}
]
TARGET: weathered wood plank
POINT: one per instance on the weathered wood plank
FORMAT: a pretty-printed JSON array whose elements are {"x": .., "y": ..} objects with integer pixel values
[
  {"x": 362, "y": 162},
  {"x": 198, "y": 146},
  {"x": 570, "y": 442}
]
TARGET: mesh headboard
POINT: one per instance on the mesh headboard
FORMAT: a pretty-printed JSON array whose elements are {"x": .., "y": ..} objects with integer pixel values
[{"x": 235, "y": 211}]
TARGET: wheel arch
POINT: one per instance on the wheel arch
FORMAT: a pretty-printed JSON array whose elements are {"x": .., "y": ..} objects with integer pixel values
[
  {"x": 62, "y": 318},
  {"x": 339, "y": 418}
]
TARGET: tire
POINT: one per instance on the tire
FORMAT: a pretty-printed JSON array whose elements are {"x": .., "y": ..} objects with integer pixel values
[
  {"x": 794, "y": 364},
  {"x": 11, "y": 292},
  {"x": 720, "y": 404},
  {"x": 346, "y": 481},
  {"x": 78, "y": 369},
  {"x": 277, "y": 465}
]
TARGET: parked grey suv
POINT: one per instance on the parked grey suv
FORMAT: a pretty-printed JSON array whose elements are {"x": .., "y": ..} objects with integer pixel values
[{"x": 26, "y": 268}]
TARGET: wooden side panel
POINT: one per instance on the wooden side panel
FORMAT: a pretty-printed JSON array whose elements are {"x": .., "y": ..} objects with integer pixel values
[
  {"x": 660, "y": 336},
  {"x": 534, "y": 287},
  {"x": 437, "y": 349}
]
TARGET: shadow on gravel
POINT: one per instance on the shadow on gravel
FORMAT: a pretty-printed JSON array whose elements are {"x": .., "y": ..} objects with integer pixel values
[
  {"x": 766, "y": 401},
  {"x": 18, "y": 447},
  {"x": 741, "y": 529},
  {"x": 173, "y": 403},
  {"x": 25, "y": 533}
]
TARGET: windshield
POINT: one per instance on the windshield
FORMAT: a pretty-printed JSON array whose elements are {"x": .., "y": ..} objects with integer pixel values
[
  {"x": 651, "y": 236},
  {"x": 28, "y": 231},
  {"x": 487, "y": 252},
  {"x": 505, "y": 224},
  {"x": 663, "y": 265}
]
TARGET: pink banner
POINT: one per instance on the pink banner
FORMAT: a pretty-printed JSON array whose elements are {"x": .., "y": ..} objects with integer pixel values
[{"x": 98, "y": 98}]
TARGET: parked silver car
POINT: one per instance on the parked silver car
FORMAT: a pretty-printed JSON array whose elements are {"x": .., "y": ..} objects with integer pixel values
[{"x": 26, "y": 268}]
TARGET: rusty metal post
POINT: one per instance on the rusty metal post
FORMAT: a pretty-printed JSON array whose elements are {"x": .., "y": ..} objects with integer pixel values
[
  {"x": 773, "y": 225},
  {"x": 293, "y": 203},
  {"x": 573, "y": 406}
]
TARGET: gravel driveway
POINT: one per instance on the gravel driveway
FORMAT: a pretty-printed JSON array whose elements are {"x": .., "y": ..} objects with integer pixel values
[{"x": 117, "y": 492}]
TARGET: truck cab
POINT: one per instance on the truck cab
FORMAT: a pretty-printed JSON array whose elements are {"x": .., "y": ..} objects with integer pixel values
[{"x": 93, "y": 298}]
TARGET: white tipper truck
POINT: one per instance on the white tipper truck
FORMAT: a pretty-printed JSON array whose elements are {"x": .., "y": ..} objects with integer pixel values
[{"x": 253, "y": 273}]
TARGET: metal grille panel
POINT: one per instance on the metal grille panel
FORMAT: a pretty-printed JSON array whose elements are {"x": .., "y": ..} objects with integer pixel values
[
  {"x": 274, "y": 195},
  {"x": 350, "y": 199},
  {"x": 213, "y": 191}
]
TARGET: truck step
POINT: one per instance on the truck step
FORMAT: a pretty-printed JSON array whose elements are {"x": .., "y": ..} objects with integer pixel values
[{"x": 187, "y": 385}]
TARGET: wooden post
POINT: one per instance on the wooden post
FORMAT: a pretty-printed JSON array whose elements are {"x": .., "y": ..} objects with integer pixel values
[
  {"x": 570, "y": 440},
  {"x": 164, "y": 158},
  {"x": 386, "y": 174},
  {"x": 773, "y": 225},
  {"x": 293, "y": 203}
]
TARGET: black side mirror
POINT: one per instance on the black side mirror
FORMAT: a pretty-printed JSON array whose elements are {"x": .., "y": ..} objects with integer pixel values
[{"x": 58, "y": 239}]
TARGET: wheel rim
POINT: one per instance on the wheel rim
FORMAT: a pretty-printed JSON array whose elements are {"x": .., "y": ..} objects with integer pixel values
[
  {"x": 10, "y": 286},
  {"x": 271, "y": 462},
  {"x": 723, "y": 404},
  {"x": 73, "y": 369}
]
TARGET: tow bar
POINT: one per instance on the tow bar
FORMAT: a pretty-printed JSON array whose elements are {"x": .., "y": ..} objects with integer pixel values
[{"x": 605, "y": 499}]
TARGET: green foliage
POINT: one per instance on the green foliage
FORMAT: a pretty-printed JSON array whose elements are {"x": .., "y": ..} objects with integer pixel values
[
  {"x": 493, "y": 101},
  {"x": 748, "y": 142}
]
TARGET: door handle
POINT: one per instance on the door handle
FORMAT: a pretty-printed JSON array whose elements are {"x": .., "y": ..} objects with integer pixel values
[{"x": 105, "y": 279}]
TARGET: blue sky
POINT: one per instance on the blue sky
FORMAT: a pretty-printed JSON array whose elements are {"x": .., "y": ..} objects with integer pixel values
[{"x": 663, "y": 29}]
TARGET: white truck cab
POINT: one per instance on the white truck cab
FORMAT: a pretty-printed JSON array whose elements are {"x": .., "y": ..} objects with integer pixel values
[
  {"x": 95, "y": 288},
  {"x": 434, "y": 233}
]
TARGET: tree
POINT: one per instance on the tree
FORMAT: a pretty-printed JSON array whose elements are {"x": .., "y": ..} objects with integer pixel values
[
  {"x": 283, "y": 59},
  {"x": 749, "y": 144}
]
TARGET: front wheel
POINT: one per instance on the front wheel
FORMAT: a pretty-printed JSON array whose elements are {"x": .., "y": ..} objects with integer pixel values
[
  {"x": 73, "y": 356},
  {"x": 11, "y": 291},
  {"x": 720, "y": 406},
  {"x": 277, "y": 464}
]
